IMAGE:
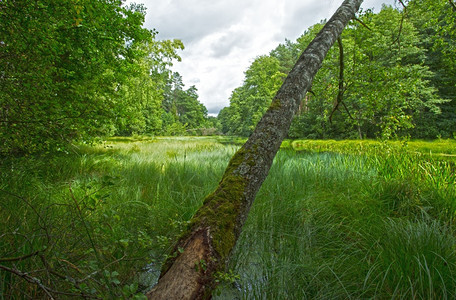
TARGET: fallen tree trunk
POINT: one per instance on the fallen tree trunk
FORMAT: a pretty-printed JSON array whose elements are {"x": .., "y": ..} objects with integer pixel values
[{"x": 203, "y": 250}]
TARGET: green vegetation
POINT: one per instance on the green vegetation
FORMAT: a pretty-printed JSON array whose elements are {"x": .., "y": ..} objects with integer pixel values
[
  {"x": 335, "y": 220},
  {"x": 80, "y": 217},
  {"x": 78, "y": 70},
  {"x": 392, "y": 74},
  {"x": 377, "y": 222},
  {"x": 101, "y": 216},
  {"x": 82, "y": 70},
  {"x": 439, "y": 150}
]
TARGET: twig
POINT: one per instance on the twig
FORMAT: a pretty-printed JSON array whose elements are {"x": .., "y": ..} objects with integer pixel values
[
  {"x": 362, "y": 23},
  {"x": 30, "y": 279},
  {"x": 348, "y": 112},
  {"x": 49, "y": 268},
  {"x": 86, "y": 227},
  {"x": 98, "y": 271},
  {"x": 68, "y": 278},
  {"x": 88, "y": 234},
  {"x": 73, "y": 266},
  {"x": 20, "y": 257},
  {"x": 40, "y": 218},
  {"x": 46, "y": 289}
]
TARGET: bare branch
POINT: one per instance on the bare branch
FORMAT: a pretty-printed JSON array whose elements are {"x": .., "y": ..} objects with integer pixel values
[
  {"x": 362, "y": 23},
  {"x": 30, "y": 279},
  {"x": 404, "y": 13},
  {"x": 47, "y": 290},
  {"x": 340, "y": 94},
  {"x": 348, "y": 112},
  {"x": 19, "y": 258},
  {"x": 98, "y": 271},
  {"x": 41, "y": 220}
]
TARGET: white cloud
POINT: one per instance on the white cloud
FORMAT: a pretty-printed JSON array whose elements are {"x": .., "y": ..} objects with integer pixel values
[{"x": 222, "y": 37}]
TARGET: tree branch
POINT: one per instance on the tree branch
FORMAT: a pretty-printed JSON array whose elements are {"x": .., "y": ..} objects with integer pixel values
[
  {"x": 452, "y": 5},
  {"x": 19, "y": 258},
  {"x": 404, "y": 13},
  {"x": 348, "y": 112},
  {"x": 362, "y": 23},
  {"x": 401, "y": 2},
  {"x": 40, "y": 218},
  {"x": 340, "y": 94},
  {"x": 30, "y": 279},
  {"x": 47, "y": 290}
]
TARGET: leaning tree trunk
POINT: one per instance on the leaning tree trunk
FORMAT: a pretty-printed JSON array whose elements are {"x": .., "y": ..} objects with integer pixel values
[{"x": 203, "y": 249}]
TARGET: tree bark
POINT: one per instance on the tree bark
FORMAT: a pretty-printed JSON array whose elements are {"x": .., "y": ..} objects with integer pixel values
[{"x": 204, "y": 248}]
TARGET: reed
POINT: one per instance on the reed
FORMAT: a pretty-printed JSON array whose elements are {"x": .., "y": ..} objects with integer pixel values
[{"x": 334, "y": 219}]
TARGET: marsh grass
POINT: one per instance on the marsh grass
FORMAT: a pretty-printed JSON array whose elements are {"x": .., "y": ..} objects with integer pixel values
[
  {"x": 373, "y": 222},
  {"x": 340, "y": 220},
  {"x": 96, "y": 219}
]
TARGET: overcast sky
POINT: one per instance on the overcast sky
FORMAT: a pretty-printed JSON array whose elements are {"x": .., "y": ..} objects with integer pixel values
[{"x": 223, "y": 37}]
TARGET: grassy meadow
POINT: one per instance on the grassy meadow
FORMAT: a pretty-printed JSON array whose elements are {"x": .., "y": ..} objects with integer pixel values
[{"x": 333, "y": 220}]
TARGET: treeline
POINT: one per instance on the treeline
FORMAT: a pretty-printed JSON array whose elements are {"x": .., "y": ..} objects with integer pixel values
[
  {"x": 77, "y": 70},
  {"x": 392, "y": 74},
  {"x": 80, "y": 69}
]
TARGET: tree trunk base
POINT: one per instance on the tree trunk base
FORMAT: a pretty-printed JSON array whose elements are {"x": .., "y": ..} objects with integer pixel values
[{"x": 183, "y": 280}]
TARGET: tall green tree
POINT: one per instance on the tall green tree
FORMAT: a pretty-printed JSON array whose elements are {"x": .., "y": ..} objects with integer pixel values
[
  {"x": 385, "y": 86},
  {"x": 436, "y": 24},
  {"x": 387, "y": 81},
  {"x": 182, "y": 109},
  {"x": 61, "y": 65},
  {"x": 143, "y": 91}
]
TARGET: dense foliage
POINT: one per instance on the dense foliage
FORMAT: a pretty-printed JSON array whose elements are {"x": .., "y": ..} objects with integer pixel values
[
  {"x": 77, "y": 70},
  {"x": 391, "y": 74},
  {"x": 80, "y": 69}
]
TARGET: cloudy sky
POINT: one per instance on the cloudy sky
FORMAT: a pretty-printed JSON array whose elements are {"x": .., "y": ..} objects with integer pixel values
[{"x": 223, "y": 37}]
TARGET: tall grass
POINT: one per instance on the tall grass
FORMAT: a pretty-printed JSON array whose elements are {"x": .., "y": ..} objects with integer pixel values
[
  {"x": 337, "y": 221},
  {"x": 375, "y": 222},
  {"x": 94, "y": 221}
]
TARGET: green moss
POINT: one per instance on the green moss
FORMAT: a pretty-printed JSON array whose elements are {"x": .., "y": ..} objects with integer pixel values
[
  {"x": 235, "y": 161},
  {"x": 275, "y": 104},
  {"x": 222, "y": 207}
]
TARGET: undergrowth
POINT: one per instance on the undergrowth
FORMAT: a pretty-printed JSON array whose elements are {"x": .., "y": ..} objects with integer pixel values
[
  {"x": 98, "y": 224},
  {"x": 339, "y": 220}
]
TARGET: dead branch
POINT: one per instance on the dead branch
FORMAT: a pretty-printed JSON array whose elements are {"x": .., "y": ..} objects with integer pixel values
[
  {"x": 30, "y": 279},
  {"x": 340, "y": 94},
  {"x": 401, "y": 26},
  {"x": 362, "y": 23},
  {"x": 9, "y": 259}
]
